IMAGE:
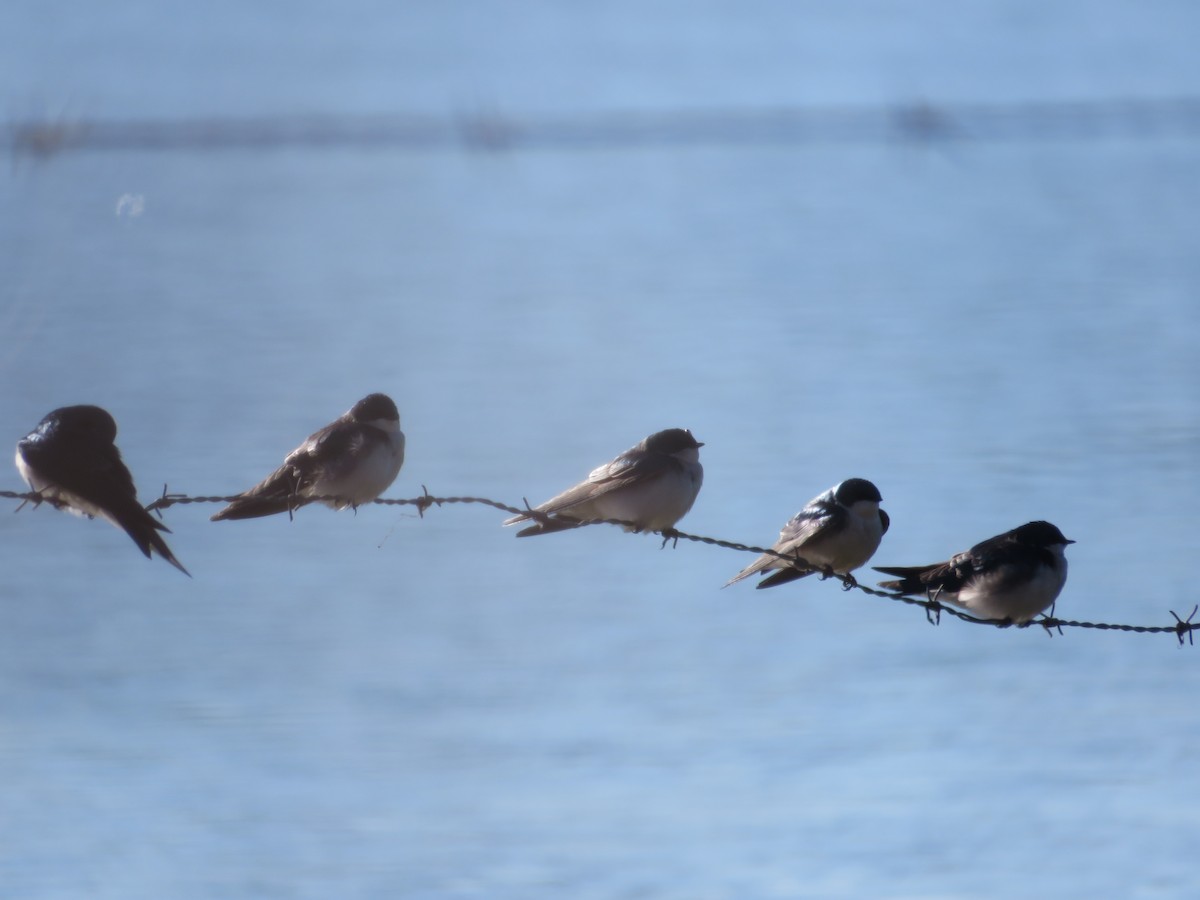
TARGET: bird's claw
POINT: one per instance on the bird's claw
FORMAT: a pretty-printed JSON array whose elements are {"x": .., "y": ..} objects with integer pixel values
[{"x": 933, "y": 609}]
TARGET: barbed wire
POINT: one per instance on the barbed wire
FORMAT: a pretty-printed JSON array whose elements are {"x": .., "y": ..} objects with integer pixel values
[
  {"x": 492, "y": 130},
  {"x": 1182, "y": 628}
]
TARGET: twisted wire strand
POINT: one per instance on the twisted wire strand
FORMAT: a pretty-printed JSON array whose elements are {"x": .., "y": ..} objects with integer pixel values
[{"x": 1182, "y": 628}]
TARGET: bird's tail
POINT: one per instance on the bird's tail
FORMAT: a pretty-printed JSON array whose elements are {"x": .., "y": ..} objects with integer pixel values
[
  {"x": 558, "y": 523},
  {"x": 764, "y": 563},
  {"x": 253, "y": 507},
  {"x": 277, "y": 493},
  {"x": 910, "y": 581},
  {"x": 783, "y": 576},
  {"x": 757, "y": 566},
  {"x": 144, "y": 529}
]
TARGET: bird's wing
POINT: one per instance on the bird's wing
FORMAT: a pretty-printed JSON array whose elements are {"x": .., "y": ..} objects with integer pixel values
[
  {"x": 806, "y": 529},
  {"x": 622, "y": 472},
  {"x": 95, "y": 473},
  {"x": 331, "y": 446},
  {"x": 999, "y": 554},
  {"x": 90, "y": 470},
  {"x": 1004, "y": 561},
  {"x": 810, "y": 527},
  {"x": 285, "y": 488}
]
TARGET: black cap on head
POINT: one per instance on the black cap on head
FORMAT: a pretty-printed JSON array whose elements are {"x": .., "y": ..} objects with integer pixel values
[
  {"x": 374, "y": 406},
  {"x": 672, "y": 440},
  {"x": 1040, "y": 534},
  {"x": 85, "y": 420},
  {"x": 852, "y": 490}
]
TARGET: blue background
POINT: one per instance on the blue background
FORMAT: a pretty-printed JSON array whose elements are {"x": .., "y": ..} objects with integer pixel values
[{"x": 377, "y": 705}]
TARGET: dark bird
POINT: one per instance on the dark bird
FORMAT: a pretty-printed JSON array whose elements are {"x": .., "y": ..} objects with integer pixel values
[
  {"x": 353, "y": 459},
  {"x": 837, "y": 532},
  {"x": 70, "y": 460},
  {"x": 651, "y": 485},
  {"x": 1012, "y": 576}
]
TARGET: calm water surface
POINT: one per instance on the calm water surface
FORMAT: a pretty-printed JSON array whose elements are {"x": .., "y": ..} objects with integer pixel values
[{"x": 378, "y": 705}]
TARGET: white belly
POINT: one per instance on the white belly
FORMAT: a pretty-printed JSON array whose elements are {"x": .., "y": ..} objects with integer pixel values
[
  {"x": 1020, "y": 605},
  {"x": 852, "y": 548},
  {"x": 363, "y": 482},
  {"x": 653, "y": 506}
]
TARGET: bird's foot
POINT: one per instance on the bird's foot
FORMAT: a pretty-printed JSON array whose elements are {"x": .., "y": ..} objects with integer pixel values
[{"x": 933, "y": 609}]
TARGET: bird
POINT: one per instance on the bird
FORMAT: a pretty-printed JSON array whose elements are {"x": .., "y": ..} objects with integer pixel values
[
  {"x": 71, "y": 461},
  {"x": 1012, "y": 576},
  {"x": 352, "y": 460},
  {"x": 836, "y": 532},
  {"x": 652, "y": 485}
]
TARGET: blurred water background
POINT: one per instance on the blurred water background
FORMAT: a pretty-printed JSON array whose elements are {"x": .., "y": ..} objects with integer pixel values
[{"x": 993, "y": 328}]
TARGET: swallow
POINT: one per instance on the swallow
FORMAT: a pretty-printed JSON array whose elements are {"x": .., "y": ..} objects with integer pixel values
[
  {"x": 1012, "y": 576},
  {"x": 837, "y": 532},
  {"x": 352, "y": 460},
  {"x": 652, "y": 485},
  {"x": 72, "y": 462}
]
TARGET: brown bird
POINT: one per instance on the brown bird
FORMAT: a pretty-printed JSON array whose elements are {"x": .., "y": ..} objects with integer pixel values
[{"x": 353, "y": 459}]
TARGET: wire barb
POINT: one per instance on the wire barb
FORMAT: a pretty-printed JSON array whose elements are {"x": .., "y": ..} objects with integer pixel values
[
  {"x": 37, "y": 498},
  {"x": 164, "y": 500},
  {"x": 425, "y": 501},
  {"x": 1185, "y": 626}
]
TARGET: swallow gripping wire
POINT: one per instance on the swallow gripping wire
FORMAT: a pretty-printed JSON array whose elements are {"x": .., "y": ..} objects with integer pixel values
[{"x": 1183, "y": 627}]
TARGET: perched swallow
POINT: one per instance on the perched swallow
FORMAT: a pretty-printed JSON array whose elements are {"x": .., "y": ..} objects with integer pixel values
[
  {"x": 71, "y": 461},
  {"x": 1013, "y": 576},
  {"x": 353, "y": 459},
  {"x": 837, "y": 531},
  {"x": 652, "y": 485}
]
